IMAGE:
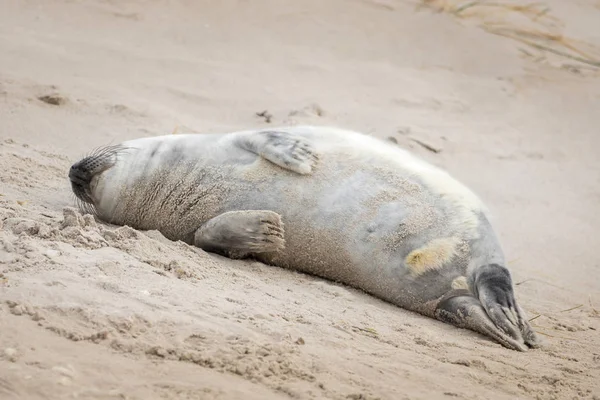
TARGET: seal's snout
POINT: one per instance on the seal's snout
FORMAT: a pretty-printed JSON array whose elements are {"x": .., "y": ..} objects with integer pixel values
[{"x": 80, "y": 175}]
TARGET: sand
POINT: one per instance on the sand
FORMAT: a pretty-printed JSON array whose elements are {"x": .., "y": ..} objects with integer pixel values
[{"x": 506, "y": 101}]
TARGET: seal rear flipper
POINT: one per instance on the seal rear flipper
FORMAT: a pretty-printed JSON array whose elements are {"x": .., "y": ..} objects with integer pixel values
[
  {"x": 492, "y": 285},
  {"x": 290, "y": 151},
  {"x": 461, "y": 309},
  {"x": 238, "y": 234}
]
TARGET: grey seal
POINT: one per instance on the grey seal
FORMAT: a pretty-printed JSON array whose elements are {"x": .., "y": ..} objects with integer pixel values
[{"x": 330, "y": 202}]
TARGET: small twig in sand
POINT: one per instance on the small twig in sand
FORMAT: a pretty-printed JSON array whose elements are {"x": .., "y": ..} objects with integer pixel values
[
  {"x": 367, "y": 330},
  {"x": 545, "y": 334},
  {"x": 266, "y": 115},
  {"x": 596, "y": 313},
  {"x": 426, "y": 145},
  {"x": 531, "y": 10},
  {"x": 540, "y": 281},
  {"x": 522, "y": 282},
  {"x": 552, "y": 336},
  {"x": 462, "y": 8},
  {"x": 568, "y": 309},
  {"x": 572, "y": 308}
]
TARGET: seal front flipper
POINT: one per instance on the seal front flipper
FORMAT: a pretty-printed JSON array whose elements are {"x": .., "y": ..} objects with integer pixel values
[
  {"x": 238, "y": 234},
  {"x": 290, "y": 151}
]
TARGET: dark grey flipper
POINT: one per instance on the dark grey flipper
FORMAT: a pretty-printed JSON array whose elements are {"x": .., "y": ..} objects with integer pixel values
[
  {"x": 288, "y": 150},
  {"x": 492, "y": 310},
  {"x": 238, "y": 234},
  {"x": 493, "y": 286}
]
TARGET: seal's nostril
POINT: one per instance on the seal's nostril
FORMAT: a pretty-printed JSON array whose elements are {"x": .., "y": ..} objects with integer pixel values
[{"x": 78, "y": 175}]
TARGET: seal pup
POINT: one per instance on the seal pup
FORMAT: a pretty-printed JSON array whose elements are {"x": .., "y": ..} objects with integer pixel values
[{"x": 333, "y": 203}]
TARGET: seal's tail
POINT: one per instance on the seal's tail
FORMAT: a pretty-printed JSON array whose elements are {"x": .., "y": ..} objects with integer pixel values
[{"x": 491, "y": 310}]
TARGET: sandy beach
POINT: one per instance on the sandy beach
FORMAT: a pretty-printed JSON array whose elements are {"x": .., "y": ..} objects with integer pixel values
[{"x": 504, "y": 95}]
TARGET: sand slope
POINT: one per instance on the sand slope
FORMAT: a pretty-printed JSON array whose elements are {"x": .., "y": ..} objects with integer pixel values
[{"x": 90, "y": 311}]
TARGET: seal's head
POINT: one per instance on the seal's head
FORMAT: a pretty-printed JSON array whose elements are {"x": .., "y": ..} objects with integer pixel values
[{"x": 84, "y": 174}]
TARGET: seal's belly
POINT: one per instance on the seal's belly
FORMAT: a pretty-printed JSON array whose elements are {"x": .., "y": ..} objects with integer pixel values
[
  {"x": 356, "y": 219},
  {"x": 348, "y": 224}
]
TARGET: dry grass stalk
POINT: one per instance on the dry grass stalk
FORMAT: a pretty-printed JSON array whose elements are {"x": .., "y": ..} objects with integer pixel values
[
  {"x": 553, "y": 336},
  {"x": 594, "y": 311},
  {"x": 572, "y": 308},
  {"x": 541, "y": 32}
]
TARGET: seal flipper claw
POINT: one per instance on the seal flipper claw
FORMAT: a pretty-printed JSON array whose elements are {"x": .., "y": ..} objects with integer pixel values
[
  {"x": 238, "y": 234},
  {"x": 531, "y": 338},
  {"x": 461, "y": 309},
  {"x": 288, "y": 150}
]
